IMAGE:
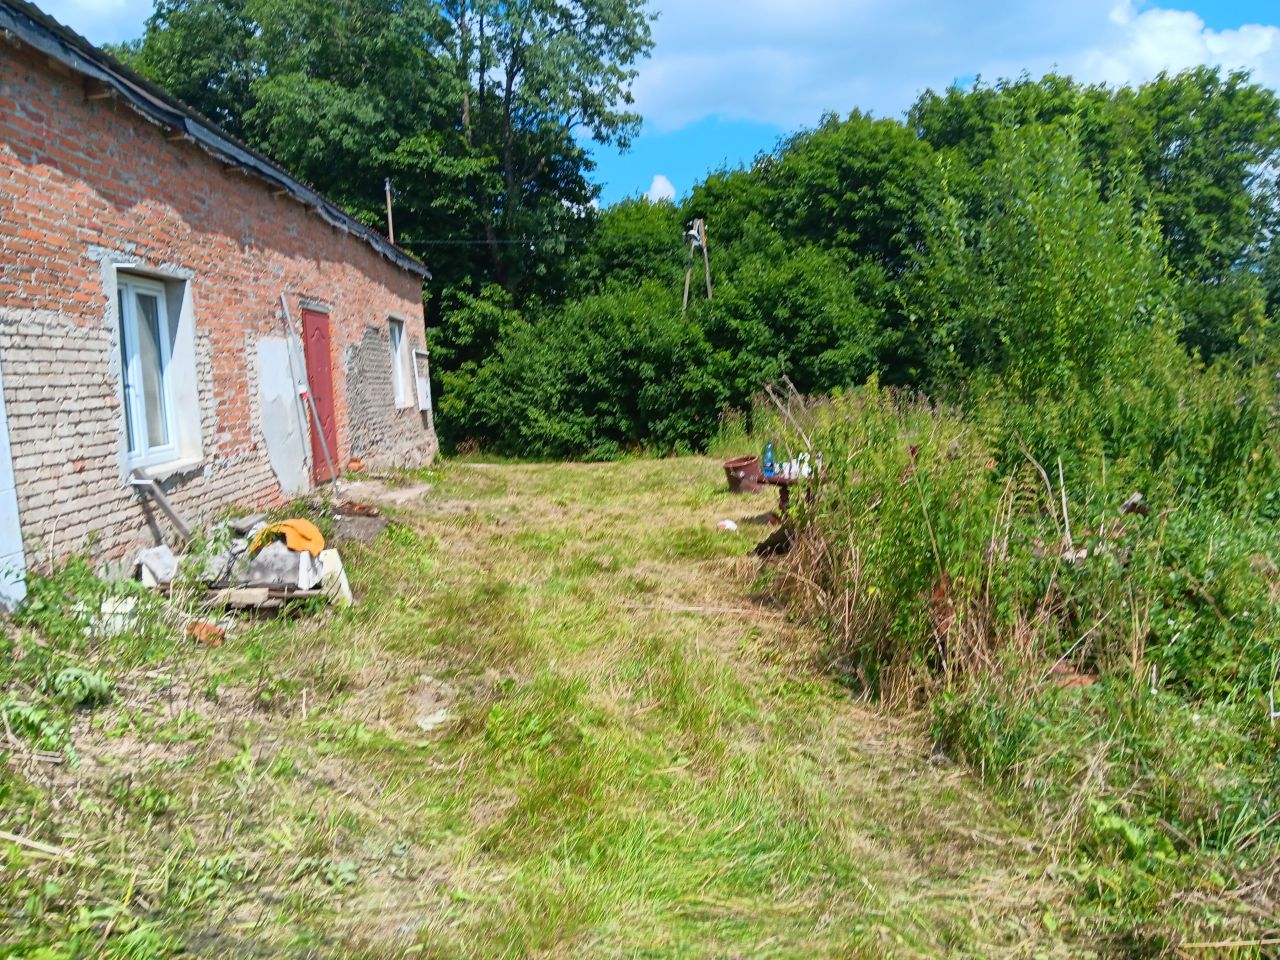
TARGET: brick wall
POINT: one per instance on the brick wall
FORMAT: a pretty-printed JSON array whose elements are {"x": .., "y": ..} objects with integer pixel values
[
  {"x": 89, "y": 182},
  {"x": 381, "y": 434}
]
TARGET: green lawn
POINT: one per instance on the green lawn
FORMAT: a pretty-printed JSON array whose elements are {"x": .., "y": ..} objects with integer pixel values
[{"x": 562, "y": 722}]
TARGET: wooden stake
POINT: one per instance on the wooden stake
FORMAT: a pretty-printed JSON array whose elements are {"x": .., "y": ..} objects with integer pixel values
[{"x": 698, "y": 234}]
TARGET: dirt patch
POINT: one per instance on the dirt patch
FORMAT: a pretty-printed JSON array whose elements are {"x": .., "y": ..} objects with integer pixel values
[
  {"x": 360, "y": 529},
  {"x": 376, "y": 491},
  {"x": 426, "y": 707}
]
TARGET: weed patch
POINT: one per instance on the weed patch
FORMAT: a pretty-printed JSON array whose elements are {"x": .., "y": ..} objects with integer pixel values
[{"x": 1103, "y": 660}]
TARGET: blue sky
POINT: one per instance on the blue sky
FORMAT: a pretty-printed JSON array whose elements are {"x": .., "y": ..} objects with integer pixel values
[{"x": 729, "y": 77}]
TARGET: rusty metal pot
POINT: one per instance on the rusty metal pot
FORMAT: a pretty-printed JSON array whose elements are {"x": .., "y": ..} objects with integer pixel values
[{"x": 743, "y": 474}]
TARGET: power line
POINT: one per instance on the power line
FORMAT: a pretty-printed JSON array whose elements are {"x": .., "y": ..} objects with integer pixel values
[{"x": 466, "y": 243}]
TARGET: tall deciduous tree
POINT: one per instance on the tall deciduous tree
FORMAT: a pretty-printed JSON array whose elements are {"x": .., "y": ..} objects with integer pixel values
[
  {"x": 534, "y": 75},
  {"x": 205, "y": 53}
]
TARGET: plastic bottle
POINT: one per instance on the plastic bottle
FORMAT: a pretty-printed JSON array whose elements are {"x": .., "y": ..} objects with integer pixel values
[{"x": 767, "y": 462}]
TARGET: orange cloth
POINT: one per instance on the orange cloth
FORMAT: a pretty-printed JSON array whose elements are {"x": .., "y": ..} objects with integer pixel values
[{"x": 299, "y": 534}]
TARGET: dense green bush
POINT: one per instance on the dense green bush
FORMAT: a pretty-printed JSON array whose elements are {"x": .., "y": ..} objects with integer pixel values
[
  {"x": 628, "y": 368},
  {"x": 614, "y": 372}
]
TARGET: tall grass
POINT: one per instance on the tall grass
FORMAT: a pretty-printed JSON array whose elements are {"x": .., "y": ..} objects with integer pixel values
[{"x": 1106, "y": 658}]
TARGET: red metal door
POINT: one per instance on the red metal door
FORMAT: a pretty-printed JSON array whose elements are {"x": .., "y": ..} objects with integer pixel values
[{"x": 315, "y": 344}]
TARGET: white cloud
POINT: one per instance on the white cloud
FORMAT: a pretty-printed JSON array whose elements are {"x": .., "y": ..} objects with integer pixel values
[
  {"x": 661, "y": 189},
  {"x": 787, "y": 63},
  {"x": 1144, "y": 43}
]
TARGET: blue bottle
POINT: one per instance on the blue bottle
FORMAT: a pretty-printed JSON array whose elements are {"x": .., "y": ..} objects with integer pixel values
[{"x": 767, "y": 462}]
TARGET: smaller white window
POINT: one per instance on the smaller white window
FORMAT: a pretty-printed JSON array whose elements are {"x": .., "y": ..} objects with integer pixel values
[
  {"x": 422, "y": 379},
  {"x": 399, "y": 358},
  {"x": 147, "y": 335}
]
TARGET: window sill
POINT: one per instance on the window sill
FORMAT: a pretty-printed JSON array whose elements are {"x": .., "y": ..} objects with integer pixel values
[{"x": 161, "y": 472}]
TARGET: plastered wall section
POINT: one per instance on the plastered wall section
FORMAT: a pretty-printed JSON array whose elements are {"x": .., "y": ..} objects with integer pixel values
[{"x": 85, "y": 184}]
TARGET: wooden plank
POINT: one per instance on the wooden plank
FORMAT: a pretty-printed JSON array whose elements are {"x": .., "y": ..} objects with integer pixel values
[{"x": 146, "y": 484}]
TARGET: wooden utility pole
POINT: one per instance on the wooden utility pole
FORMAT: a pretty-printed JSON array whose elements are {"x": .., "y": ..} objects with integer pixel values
[
  {"x": 391, "y": 230},
  {"x": 706, "y": 255},
  {"x": 697, "y": 234},
  {"x": 688, "y": 276}
]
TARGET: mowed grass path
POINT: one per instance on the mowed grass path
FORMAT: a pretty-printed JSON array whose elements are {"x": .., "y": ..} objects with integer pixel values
[{"x": 560, "y": 723}]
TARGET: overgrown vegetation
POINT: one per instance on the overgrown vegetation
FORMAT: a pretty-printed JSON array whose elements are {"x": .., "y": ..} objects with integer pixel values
[
  {"x": 1073, "y": 563},
  {"x": 1107, "y": 660}
]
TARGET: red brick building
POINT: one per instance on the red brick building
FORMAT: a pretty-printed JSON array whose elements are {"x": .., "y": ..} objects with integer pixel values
[{"x": 143, "y": 254}]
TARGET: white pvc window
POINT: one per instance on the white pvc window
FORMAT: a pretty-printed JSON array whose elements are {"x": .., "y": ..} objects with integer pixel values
[
  {"x": 147, "y": 337},
  {"x": 398, "y": 362}
]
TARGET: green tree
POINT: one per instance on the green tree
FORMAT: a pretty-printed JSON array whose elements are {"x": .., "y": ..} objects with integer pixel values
[
  {"x": 533, "y": 74},
  {"x": 330, "y": 90},
  {"x": 1208, "y": 146},
  {"x": 797, "y": 310},
  {"x": 205, "y": 53},
  {"x": 853, "y": 186},
  {"x": 967, "y": 121},
  {"x": 1204, "y": 145},
  {"x": 631, "y": 242},
  {"x": 1053, "y": 289}
]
